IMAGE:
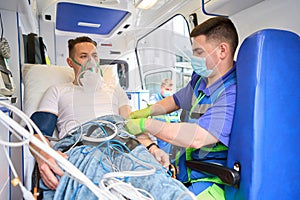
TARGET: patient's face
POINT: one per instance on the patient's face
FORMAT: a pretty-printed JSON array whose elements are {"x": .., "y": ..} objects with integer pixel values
[{"x": 83, "y": 53}]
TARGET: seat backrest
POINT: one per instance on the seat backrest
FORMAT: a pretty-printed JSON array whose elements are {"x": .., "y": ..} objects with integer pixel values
[{"x": 266, "y": 130}]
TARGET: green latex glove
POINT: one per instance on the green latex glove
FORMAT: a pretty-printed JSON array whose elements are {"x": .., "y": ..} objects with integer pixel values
[
  {"x": 143, "y": 113},
  {"x": 135, "y": 126}
]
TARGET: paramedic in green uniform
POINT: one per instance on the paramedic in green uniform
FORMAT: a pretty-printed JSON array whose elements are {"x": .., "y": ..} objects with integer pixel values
[{"x": 208, "y": 103}]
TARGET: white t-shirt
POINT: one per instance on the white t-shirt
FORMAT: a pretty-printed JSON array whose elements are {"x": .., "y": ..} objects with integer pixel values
[{"x": 74, "y": 106}]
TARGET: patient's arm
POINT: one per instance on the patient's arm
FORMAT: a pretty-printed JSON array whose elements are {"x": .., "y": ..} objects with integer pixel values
[
  {"x": 161, "y": 156},
  {"x": 164, "y": 106},
  {"x": 46, "y": 122},
  {"x": 124, "y": 111},
  {"x": 47, "y": 172}
]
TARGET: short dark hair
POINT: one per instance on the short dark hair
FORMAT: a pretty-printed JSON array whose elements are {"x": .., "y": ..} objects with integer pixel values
[
  {"x": 218, "y": 29},
  {"x": 73, "y": 42}
]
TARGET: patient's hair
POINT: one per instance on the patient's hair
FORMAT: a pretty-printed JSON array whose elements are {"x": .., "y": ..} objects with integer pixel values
[
  {"x": 73, "y": 42},
  {"x": 218, "y": 29}
]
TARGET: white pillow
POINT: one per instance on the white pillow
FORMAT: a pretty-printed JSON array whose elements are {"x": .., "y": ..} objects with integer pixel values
[{"x": 37, "y": 79}]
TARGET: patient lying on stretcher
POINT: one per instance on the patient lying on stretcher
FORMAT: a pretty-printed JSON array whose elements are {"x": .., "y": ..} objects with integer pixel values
[
  {"x": 72, "y": 146},
  {"x": 68, "y": 105},
  {"x": 102, "y": 149}
]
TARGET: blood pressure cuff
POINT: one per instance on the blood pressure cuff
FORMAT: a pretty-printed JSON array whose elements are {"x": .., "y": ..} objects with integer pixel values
[{"x": 45, "y": 121}]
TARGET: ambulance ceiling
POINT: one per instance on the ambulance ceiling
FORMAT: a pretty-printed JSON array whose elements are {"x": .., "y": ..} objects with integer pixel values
[
  {"x": 103, "y": 18},
  {"x": 106, "y": 18},
  {"x": 73, "y": 17}
]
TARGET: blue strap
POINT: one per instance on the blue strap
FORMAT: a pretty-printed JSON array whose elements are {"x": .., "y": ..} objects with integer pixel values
[{"x": 45, "y": 121}]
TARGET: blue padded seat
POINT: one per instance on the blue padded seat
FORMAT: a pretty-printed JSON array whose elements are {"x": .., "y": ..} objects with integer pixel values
[{"x": 265, "y": 139}]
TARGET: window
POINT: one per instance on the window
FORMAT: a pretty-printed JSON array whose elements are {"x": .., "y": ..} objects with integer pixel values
[
  {"x": 164, "y": 53},
  {"x": 119, "y": 68},
  {"x": 153, "y": 80}
]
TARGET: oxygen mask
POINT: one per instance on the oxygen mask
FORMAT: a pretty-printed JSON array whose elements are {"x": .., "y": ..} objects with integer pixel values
[{"x": 90, "y": 77}]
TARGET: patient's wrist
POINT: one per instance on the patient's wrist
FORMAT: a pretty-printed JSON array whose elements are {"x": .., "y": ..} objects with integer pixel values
[{"x": 152, "y": 147}]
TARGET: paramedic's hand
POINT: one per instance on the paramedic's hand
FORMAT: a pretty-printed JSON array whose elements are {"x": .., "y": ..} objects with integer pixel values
[
  {"x": 160, "y": 155},
  {"x": 48, "y": 172},
  {"x": 135, "y": 126},
  {"x": 143, "y": 113}
]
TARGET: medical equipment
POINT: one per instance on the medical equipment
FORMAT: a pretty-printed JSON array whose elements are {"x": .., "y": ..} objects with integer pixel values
[
  {"x": 90, "y": 135},
  {"x": 28, "y": 135},
  {"x": 6, "y": 82},
  {"x": 111, "y": 185},
  {"x": 66, "y": 165},
  {"x": 4, "y": 46}
]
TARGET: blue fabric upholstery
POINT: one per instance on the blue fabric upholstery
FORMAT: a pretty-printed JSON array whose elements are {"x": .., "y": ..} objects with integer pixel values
[{"x": 266, "y": 131}]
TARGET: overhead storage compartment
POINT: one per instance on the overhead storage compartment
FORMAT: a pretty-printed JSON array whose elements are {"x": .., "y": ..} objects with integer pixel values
[{"x": 226, "y": 7}]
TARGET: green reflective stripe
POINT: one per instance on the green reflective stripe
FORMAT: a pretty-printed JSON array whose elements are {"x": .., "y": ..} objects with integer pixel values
[
  {"x": 213, "y": 192},
  {"x": 214, "y": 179},
  {"x": 188, "y": 156},
  {"x": 177, "y": 161},
  {"x": 219, "y": 147},
  {"x": 177, "y": 158},
  {"x": 188, "y": 153}
]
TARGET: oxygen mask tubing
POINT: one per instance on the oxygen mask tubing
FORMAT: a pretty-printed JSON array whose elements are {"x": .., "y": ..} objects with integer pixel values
[{"x": 90, "y": 77}]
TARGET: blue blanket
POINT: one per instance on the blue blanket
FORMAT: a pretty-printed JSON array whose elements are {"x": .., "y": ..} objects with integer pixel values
[{"x": 110, "y": 156}]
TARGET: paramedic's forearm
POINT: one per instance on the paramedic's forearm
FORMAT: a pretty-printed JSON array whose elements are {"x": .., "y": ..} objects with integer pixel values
[
  {"x": 167, "y": 105},
  {"x": 180, "y": 134}
]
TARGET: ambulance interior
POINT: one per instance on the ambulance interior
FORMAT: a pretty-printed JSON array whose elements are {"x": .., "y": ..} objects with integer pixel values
[{"x": 138, "y": 47}]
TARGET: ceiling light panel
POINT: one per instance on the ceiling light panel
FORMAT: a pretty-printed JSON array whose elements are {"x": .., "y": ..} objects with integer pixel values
[{"x": 88, "y": 19}]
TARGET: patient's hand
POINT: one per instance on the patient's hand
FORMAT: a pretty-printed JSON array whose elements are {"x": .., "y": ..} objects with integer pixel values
[
  {"x": 160, "y": 155},
  {"x": 47, "y": 172}
]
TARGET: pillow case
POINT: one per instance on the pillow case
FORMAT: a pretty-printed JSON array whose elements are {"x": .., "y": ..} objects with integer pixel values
[{"x": 38, "y": 78}]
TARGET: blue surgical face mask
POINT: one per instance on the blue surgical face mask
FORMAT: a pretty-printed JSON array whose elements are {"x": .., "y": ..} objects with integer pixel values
[
  {"x": 199, "y": 66},
  {"x": 167, "y": 93}
]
